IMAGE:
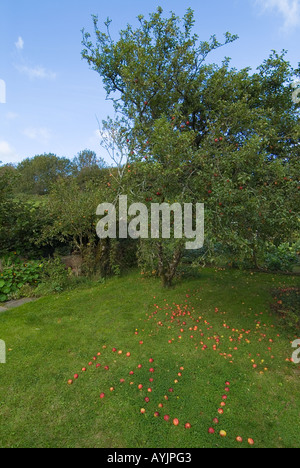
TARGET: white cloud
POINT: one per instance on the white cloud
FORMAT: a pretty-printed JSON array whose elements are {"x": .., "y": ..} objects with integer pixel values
[
  {"x": 20, "y": 43},
  {"x": 37, "y": 72},
  {"x": 288, "y": 9},
  {"x": 7, "y": 152},
  {"x": 39, "y": 134}
]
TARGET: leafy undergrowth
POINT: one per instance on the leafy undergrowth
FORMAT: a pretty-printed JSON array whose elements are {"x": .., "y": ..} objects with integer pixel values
[{"x": 211, "y": 347}]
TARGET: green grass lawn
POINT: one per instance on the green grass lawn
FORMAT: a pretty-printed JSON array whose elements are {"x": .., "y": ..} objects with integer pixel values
[{"x": 224, "y": 321}]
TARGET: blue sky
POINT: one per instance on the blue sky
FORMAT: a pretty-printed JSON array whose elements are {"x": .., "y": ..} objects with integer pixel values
[{"x": 53, "y": 98}]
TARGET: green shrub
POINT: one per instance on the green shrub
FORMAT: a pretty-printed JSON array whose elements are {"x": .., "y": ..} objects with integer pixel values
[
  {"x": 54, "y": 278},
  {"x": 282, "y": 258},
  {"x": 16, "y": 275}
]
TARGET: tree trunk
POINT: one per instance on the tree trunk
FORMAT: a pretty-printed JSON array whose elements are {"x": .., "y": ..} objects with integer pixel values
[{"x": 168, "y": 272}]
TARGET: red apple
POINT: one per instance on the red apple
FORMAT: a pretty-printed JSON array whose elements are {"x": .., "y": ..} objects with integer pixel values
[
  {"x": 187, "y": 426},
  {"x": 176, "y": 422},
  {"x": 102, "y": 395},
  {"x": 70, "y": 382},
  {"x": 211, "y": 430},
  {"x": 76, "y": 376},
  {"x": 167, "y": 417}
]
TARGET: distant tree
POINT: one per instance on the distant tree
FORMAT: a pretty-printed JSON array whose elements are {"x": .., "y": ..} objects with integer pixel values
[
  {"x": 86, "y": 159},
  {"x": 87, "y": 166},
  {"x": 38, "y": 173}
]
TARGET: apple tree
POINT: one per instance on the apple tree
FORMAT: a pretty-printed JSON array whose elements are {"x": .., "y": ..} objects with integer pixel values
[
  {"x": 152, "y": 73},
  {"x": 198, "y": 132}
]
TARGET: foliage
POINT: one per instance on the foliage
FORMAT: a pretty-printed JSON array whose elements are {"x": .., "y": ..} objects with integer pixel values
[
  {"x": 282, "y": 258},
  {"x": 54, "y": 277},
  {"x": 72, "y": 211},
  {"x": 21, "y": 227},
  {"x": 39, "y": 173},
  {"x": 16, "y": 274},
  {"x": 87, "y": 167}
]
